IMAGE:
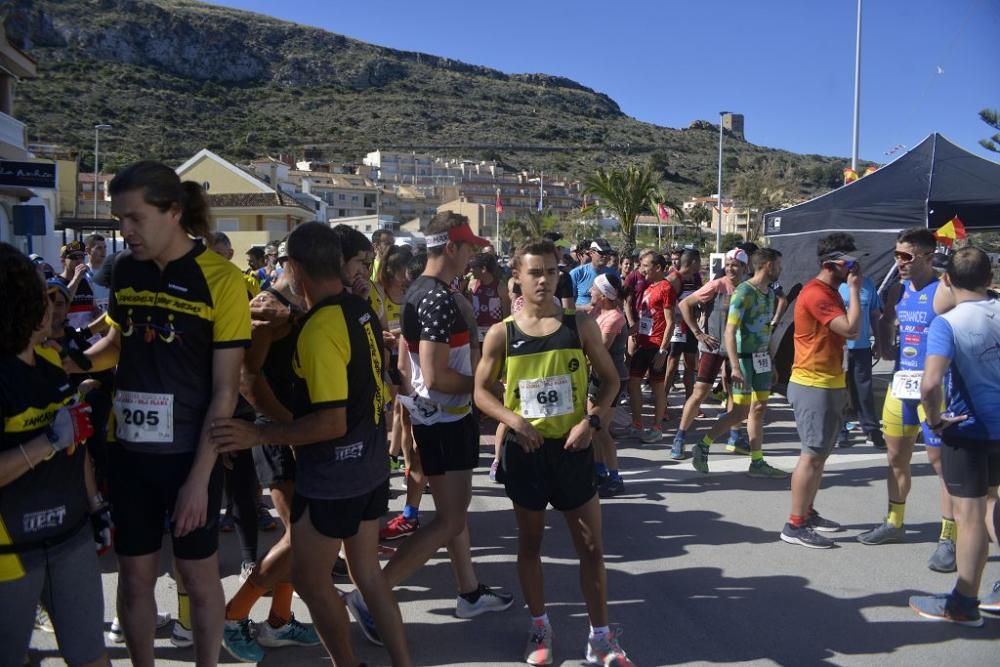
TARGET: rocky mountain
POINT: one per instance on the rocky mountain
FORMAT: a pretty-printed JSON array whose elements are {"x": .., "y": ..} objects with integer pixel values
[{"x": 174, "y": 76}]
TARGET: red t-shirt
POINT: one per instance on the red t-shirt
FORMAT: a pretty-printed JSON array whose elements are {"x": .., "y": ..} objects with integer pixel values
[
  {"x": 657, "y": 298},
  {"x": 635, "y": 285},
  {"x": 819, "y": 353}
]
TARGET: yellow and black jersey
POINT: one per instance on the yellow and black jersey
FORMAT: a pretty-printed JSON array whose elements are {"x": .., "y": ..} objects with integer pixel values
[
  {"x": 547, "y": 377},
  {"x": 338, "y": 359},
  {"x": 48, "y": 504},
  {"x": 171, "y": 322}
]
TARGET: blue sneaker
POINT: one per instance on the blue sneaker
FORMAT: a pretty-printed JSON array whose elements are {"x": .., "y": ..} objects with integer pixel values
[
  {"x": 356, "y": 605},
  {"x": 677, "y": 449},
  {"x": 292, "y": 633},
  {"x": 238, "y": 638},
  {"x": 945, "y": 608}
]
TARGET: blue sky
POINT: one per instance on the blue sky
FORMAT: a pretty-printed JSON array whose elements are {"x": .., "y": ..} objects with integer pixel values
[{"x": 787, "y": 65}]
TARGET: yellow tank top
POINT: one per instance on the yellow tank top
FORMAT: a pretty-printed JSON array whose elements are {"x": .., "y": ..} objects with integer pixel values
[{"x": 547, "y": 378}]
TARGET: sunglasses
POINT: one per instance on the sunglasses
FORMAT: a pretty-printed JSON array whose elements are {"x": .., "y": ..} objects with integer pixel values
[{"x": 906, "y": 257}]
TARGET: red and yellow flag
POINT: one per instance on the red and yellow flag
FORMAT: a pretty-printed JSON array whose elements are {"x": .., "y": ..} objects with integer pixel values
[
  {"x": 872, "y": 168},
  {"x": 849, "y": 175},
  {"x": 951, "y": 231}
]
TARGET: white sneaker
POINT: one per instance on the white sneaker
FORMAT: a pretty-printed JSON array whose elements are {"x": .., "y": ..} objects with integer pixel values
[
  {"x": 181, "y": 637},
  {"x": 117, "y": 635},
  {"x": 488, "y": 600},
  {"x": 539, "y": 648},
  {"x": 246, "y": 569},
  {"x": 607, "y": 651}
]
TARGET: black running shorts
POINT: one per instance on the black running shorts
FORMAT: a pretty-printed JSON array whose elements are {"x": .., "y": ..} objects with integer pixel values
[
  {"x": 550, "y": 475},
  {"x": 274, "y": 464},
  {"x": 642, "y": 362},
  {"x": 143, "y": 492},
  {"x": 448, "y": 446},
  {"x": 340, "y": 519},
  {"x": 687, "y": 346},
  {"x": 969, "y": 467}
]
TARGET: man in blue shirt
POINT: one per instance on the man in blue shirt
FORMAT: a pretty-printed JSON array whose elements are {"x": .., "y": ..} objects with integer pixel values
[
  {"x": 584, "y": 275},
  {"x": 859, "y": 365},
  {"x": 966, "y": 342}
]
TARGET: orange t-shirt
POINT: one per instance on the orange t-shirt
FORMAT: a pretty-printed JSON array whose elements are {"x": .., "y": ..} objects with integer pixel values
[{"x": 819, "y": 352}]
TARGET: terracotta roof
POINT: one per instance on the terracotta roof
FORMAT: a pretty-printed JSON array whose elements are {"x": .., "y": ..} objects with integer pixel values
[{"x": 253, "y": 200}]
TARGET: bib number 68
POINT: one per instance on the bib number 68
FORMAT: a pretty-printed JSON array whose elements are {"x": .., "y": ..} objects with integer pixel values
[{"x": 546, "y": 397}]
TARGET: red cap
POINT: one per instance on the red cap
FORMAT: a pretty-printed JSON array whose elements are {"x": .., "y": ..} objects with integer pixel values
[{"x": 459, "y": 234}]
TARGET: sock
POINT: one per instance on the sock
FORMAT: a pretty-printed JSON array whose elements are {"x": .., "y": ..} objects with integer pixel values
[
  {"x": 281, "y": 605},
  {"x": 949, "y": 531},
  {"x": 796, "y": 520},
  {"x": 734, "y": 434},
  {"x": 410, "y": 513},
  {"x": 241, "y": 604},
  {"x": 962, "y": 600},
  {"x": 599, "y": 633},
  {"x": 184, "y": 610},
  {"x": 614, "y": 474},
  {"x": 600, "y": 469},
  {"x": 706, "y": 441},
  {"x": 897, "y": 511},
  {"x": 540, "y": 620},
  {"x": 757, "y": 456},
  {"x": 472, "y": 596}
]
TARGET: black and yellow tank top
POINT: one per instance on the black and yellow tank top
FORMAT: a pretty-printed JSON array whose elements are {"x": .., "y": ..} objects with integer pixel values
[{"x": 547, "y": 377}]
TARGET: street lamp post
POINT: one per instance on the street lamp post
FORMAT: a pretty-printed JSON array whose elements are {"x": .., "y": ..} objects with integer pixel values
[
  {"x": 97, "y": 147},
  {"x": 718, "y": 201},
  {"x": 857, "y": 92}
]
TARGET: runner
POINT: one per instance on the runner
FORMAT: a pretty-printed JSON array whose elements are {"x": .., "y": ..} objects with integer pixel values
[
  {"x": 268, "y": 384},
  {"x": 583, "y": 276},
  {"x": 445, "y": 431},
  {"x": 656, "y": 320},
  {"x": 180, "y": 321},
  {"x": 859, "y": 365},
  {"x": 715, "y": 294},
  {"x": 46, "y": 492},
  {"x": 342, "y": 472},
  {"x": 82, "y": 307},
  {"x": 911, "y": 304},
  {"x": 547, "y": 457},
  {"x": 747, "y": 344},
  {"x": 97, "y": 252},
  {"x": 966, "y": 342},
  {"x": 383, "y": 240},
  {"x": 817, "y": 389},
  {"x": 635, "y": 284},
  {"x": 685, "y": 279}
]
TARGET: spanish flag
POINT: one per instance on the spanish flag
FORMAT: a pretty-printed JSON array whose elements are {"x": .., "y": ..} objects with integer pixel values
[
  {"x": 872, "y": 168},
  {"x": 849, "y": 175},
  {"x": 951, "y": 231}
]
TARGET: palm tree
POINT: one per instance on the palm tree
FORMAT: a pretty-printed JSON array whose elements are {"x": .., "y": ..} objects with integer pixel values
[
  {"x": 529, "y": 226},
  {"x": 627, "y": 193}
]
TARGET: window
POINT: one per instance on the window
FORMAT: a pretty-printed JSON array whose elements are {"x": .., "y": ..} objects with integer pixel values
[
  {"x": 276, "y": 226},
  {"x": 354, "y": 198},
  {"x": 227, "y": 225},
  {"x": 342, "y": 197}
]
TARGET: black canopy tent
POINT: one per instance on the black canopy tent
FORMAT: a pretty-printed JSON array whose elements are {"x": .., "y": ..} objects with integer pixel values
[{"x": 926, "y": 187}]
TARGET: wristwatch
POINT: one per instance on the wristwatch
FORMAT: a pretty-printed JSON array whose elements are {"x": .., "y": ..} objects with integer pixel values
[{"x": 594, "y": 421}]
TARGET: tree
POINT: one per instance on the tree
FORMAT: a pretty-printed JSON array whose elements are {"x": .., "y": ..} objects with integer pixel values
[
  {"x": 625, "y": 192},
  {"x": 762, "y": 186},
  {"x": 699, "y": 215},
  {"x": 529, "y": 226},
  {"x": 992, "y": 118},
  {"x": 730, "y": 240}
]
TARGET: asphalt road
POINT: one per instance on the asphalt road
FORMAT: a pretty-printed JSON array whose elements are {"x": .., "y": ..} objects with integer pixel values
[{"x": 696, "y": 573}]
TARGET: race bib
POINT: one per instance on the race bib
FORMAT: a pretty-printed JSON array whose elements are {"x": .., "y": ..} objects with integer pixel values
[
  {"x": 645, "y": 326},
  {"x": 546, "y": 397},
  {"x": 418, "y": 406},
  {"x": 144, "y": 417},
  {"x": 906, "y": 384},
  {"x": 761, "y": 362}
]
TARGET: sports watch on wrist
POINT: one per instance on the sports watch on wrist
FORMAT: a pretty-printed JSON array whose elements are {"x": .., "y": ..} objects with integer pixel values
[{"x": 594, "y": 421}]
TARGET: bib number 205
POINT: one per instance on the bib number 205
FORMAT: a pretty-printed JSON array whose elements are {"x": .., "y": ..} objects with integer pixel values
[{"x": 144, "y": 417}]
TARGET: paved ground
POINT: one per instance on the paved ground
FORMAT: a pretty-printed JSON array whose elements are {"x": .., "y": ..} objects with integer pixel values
[{"x": 696, "y": 574}]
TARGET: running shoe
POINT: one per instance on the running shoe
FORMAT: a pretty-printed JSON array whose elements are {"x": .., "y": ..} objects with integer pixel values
[
  {"x": 606, "y": 650},
  {"x": 611, "y": 487},
  {"x": 117, "y": 636},
  {"x": 883, "y": 533},
  {"x": 844, "y": 439},
  {"x": 942, "y": 607},
  {"x": 677, "y": 449},
  {"x": 246, "y": 569},
  {"x": 397, "y": 527},
  {"x": 699, "y": 457},
  {"x": 739, "y": 445},
  {"x": 821, "y": 524},
  {"x": 943, "y": 558},
  {"x": 292, "y": 633},
  {"x": 493, "y": 469},
  {"x": 634, "y": 431},
  {"x": 181, "y": 637},
  {"x": 805, "y": 536},
  {"x": 488, "y": 600},
  {"x": 651, "y": 435},
  {"x": 764, "y": 469},
  {"x": 44, "y": 623},
  {"x": 238, "y": 638},
  {"x": 265, "y": 521},
  {"x": 539, "y": 648},
  {"x": 876, "y": 440},
  {"x": 356, "y": 605},
  {"x": 719, "y": 395},
  {"x": 395, "y": 464},
  {"x": 991, "y": 601}
]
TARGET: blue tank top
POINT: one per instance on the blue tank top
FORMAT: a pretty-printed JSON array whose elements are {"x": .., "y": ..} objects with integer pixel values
[{"x": 914, "y": 311}]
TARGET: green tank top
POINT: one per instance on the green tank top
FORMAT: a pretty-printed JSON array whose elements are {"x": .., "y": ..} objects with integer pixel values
[{"x": 547, "y": 378}]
